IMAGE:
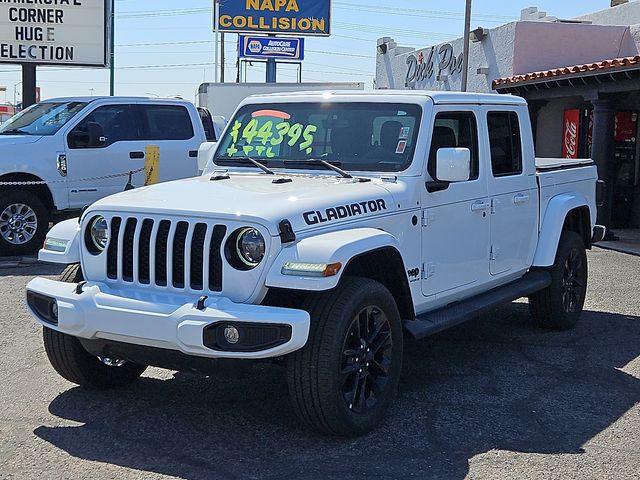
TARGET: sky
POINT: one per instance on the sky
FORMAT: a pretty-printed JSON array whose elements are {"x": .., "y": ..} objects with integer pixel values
[{"x": 165, "y": 48}]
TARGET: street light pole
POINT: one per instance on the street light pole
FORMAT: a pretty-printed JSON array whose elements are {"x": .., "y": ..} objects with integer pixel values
[{"x": 465, "y": 54}]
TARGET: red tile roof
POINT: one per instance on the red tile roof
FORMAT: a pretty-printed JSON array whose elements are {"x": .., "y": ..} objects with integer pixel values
[{"x": 599, "y": 67}]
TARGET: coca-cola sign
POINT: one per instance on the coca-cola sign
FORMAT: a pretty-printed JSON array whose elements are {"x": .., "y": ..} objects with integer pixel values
[
  {"x": 422, "y": 67},
  {"x": 571, "y": 133}
]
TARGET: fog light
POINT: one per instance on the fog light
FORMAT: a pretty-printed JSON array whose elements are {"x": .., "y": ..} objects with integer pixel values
[
  {"x": 54, "y": 310},
  {"x": 231, "y": 334}
]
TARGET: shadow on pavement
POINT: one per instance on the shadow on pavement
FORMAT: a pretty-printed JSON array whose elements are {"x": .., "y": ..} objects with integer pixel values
[{"x": 492, "y": 384}]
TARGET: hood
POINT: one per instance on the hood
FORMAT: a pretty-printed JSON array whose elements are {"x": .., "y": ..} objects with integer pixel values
[
  {"x": 11, "y": 140},
  {"x": 307, "y": 201}
]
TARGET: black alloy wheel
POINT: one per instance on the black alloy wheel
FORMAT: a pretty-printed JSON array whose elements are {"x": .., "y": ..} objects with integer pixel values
[
  {"x": 559, "y": 306},
  {"x": 366, "y": 359},
  {"x": 343, "y": 380}
]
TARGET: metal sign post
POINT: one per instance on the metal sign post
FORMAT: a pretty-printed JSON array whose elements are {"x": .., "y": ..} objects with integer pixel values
[{"x": 216, "y": 30}]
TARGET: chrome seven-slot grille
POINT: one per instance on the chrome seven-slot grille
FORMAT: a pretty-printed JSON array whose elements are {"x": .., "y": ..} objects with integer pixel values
[{"x": 166, "y": 253}]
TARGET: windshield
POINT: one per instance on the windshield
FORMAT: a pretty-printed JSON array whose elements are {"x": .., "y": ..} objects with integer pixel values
[
  {"x": 41, "y": 119},
  {"x": 376, "y": 137}
]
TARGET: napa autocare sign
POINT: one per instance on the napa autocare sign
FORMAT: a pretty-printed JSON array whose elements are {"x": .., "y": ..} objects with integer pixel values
[
  {"x": 54, "y": 32},
  {"x": 294, "y": 17},
  {"x": 270, "y": 47}
]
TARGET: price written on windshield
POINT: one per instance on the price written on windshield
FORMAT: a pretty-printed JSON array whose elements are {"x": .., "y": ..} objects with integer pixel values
[{"x": 261, "y": 139}]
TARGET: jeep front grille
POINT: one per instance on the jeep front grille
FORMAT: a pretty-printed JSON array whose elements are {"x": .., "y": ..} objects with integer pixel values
[{"x": 177, "y": 254}]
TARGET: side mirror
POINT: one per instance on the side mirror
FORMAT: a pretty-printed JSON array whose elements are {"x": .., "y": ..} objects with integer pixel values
[
  {"x": 95, "y": 133},
  {"x": 453, "y": 164}
]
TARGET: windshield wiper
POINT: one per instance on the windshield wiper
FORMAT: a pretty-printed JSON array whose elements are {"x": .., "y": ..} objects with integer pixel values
[
  {"x": 319, "y": 161},
  {"x": 15, "y": 131},
  {"x": 262, "y": 167}
]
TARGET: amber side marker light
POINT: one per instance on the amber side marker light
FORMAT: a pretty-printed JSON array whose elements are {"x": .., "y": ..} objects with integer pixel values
[{"x": 301, "y": 269}]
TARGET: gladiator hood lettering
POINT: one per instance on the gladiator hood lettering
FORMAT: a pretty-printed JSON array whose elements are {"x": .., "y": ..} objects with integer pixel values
[{"x": 344, "y": 211}]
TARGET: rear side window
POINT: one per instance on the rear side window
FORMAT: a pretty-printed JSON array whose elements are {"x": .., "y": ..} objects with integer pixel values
[
  {"x": 454, "y": 130},
  {"x": 167, "y": 122},
  {"x": 505, "y": 143}
]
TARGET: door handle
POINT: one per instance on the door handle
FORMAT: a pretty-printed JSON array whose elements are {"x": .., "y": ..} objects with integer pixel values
[
  {"x": 136, "y": 155},
  {"x": 480, "y": 206},
  {"x": 520, "y": 199},
  {"x": 193, "y": 153}
]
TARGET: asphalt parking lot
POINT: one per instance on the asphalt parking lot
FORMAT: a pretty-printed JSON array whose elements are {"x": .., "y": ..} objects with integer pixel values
[{"x": 492, "y": 399}]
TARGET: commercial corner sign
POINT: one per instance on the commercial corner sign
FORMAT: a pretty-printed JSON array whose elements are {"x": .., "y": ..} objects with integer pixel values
[
  {"x": 293, "y": 17},
  {"x": 55, "y": 32},
  {"x": 270, "y": 47}
]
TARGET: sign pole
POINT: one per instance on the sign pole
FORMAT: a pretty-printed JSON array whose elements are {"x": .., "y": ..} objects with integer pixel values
[
  {"x": 112, "y": 54},
  {"x": 216, "y": 14},
  {"x": 271, "y": 68},
  {"x": 28, "y": 84},
  {"x": 467, "y": 35},
  {"x": 222, "y": 57}
]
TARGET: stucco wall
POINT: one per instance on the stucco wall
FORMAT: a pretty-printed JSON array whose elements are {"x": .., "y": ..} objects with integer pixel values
[
  {"x": 543, "y": 46},
  {"x": 495, "y": 53},
  {"x": 626, "y": 14},
  {"x": 522, "y": 47}
]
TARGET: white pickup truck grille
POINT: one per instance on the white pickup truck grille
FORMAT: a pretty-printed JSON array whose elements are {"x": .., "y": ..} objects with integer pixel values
[{"x": 178, "y": 254}]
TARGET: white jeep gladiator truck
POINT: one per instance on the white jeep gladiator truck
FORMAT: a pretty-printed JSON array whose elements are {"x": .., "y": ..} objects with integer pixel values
[
  {"x": 63, "y": 154},
  {"x": 325, "y": 226}
]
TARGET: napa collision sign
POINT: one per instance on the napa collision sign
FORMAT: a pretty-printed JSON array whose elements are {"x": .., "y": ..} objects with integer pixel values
[
  {"x": 292, "y": 17},
  {"x": 55, "y": 32},
  {"x": 271, "y": 47}
]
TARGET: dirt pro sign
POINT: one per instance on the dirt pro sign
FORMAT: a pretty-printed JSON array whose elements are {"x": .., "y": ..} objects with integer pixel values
[
  {"x": 55, "y": 32},
  {"x": 292, "y": 17}
]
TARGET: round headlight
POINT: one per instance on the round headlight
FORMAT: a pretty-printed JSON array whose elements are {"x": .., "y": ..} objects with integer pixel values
[
  {"x": 250, "y": 246},
  {"x": 99, "y": 233}
]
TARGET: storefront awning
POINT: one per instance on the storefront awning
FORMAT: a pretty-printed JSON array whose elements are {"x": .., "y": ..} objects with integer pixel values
[{"x": 589, "y": 74}]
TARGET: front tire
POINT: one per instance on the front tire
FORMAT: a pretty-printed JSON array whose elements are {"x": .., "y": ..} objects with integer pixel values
[
  {"x": 558, "y": 307},
  {"x": 24, "y": 221},
  {"x": 72, "y": 362},
  {"x": 344, "y": 379}
]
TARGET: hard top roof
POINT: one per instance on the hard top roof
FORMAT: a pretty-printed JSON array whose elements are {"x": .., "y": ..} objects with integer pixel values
[{"x": 438, "y": 97}]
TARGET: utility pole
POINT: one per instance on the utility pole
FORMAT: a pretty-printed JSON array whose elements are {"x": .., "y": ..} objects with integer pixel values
[{"x": 465, "y": 54}]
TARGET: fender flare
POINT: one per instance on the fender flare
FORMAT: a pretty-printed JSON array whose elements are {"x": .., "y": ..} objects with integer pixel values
[
  {"x": 340, "y": 246},
  {"x": 552, "y": 224},
  {"x": 66, "y": 231}
]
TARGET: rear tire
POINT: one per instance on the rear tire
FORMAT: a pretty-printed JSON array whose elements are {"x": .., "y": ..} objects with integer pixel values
[
  {"x": 72, "y": 362},
  {"x": 344, "y": 379},
  {"x": 24, "y": 222},
  {"x": 558, "y": 307}
]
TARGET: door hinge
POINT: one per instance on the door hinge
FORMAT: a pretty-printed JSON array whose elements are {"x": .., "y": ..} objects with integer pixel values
[
  {"x": 428, "y": 218},
  {"x": 61, "y": 164},
  {"x": 428, "y": 270},
  {"x": 493, "y": 253}
]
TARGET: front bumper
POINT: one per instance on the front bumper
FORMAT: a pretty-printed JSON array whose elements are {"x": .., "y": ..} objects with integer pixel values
[{"x": 163, "y": 321}]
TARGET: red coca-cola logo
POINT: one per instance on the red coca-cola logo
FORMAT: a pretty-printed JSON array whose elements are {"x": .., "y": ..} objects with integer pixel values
[{"x": 571, "y": 139}]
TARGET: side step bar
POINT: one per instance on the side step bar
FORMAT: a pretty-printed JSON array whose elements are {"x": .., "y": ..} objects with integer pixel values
[{"x": 459, "y": 312}]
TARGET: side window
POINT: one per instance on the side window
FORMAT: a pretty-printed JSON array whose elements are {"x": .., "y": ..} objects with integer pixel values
[
  {"x": 455, "y": 130},
  {"x": 103, "y": 127},
  {"x": 504, "y": 140},
  {"x": 207, "y": 124},
  {"x": 167, "y": 122}
]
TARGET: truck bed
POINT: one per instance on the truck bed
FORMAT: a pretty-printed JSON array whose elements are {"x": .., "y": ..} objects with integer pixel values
[{"x": 558, "y": 176}]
